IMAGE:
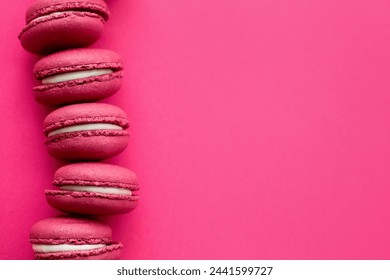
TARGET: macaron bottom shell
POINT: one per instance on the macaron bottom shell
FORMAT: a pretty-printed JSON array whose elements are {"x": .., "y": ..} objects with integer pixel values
[
  {"x": 109, "y": 252},
  {"x": 87, "y": 145},
  {"x": 90, "y": 203}
]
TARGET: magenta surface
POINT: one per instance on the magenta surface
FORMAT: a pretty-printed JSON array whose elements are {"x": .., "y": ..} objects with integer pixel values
[{"x": 259, "y": 129}]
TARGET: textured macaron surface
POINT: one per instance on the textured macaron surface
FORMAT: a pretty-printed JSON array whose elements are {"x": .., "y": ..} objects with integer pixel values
[
  {"x": 109, "y": 252},
  {"x": 54, "y": 25},
  {"x": 88, "y": 88},
  {"x": 83, "y": 114},
  {"x": 67, "y": 230},
  {"x": 77, "y": 60},
  {"x": 88, "y": 203},
  {"x": 94, "y": 202},
  {"x": 45, "y": 7},
  {"x": 71, "y": 137},
  {"x": 95, "y": 174},
  {"x": 70, "y": 230}
]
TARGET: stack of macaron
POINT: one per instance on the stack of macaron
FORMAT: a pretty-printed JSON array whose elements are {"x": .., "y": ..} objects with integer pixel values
[{"x": 79, "y": 131}]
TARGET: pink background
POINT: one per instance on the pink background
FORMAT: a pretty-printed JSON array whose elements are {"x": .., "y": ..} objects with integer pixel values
[{"x": 260, "y": 129}]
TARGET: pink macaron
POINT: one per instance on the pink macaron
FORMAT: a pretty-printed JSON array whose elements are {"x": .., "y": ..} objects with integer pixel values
[
  {"x": 73, "y": 238},
  {"x": 94, "y": 188},
  {"x": 86, "y": 131},
  {"x": 77, "y": 75},
  {"x": 53, "y": 25}
]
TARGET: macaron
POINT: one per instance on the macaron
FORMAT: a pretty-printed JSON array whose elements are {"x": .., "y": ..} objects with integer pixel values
[
  {"x": 94, "y": 188},
  {"x": 77, "y": 75},
  {"x": 53, "y": 25},
  {"x": 86, "y": 131},
  {"x": 73, "y": 238}
]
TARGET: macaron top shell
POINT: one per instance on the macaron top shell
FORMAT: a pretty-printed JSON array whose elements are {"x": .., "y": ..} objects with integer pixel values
[
  {"x": 45, "y": 7},
  {"x": 76, "y": 60},
  {"x": 95, "y": 174},
  {"x": 70, "y": 230},
  {"x": 85, "y": 113}
]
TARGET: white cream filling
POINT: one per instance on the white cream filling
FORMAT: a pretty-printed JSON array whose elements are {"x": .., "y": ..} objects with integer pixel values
[
  {"x": 64, "y": 77},
  {"x": 106, "y": 190},
  {"x": 44, "y": 248},
  {"x": 83, "y": 127}
]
